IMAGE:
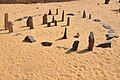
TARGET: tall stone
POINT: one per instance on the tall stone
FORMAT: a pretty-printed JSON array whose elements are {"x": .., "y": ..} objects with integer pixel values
[
  {"x": 84, "y": 14},
  {"x": 68, "y": 21},
  {"x": 55, "y": 23},
  {"x": 65, "y": 34},
  {"x": 45, "y": 19},
  {"x": 56, "y": 11},
  {"x": 49, "y": 24},
  {"x": 6, "y": 21},
  {"x": 53, "y": 19},
  {"x": 91, "y": 41},
  {"x": 30, "y": 22},
  {"x": 63, "y": 15},
  {"x": 75, "y": 46},
  {"x": 10, "y": 26}
]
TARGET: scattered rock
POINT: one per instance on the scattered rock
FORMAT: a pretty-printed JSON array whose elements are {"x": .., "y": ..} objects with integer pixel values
[
  {"x": 29, "y": 39},
  {"x": 77, "y": 36},
  {"x": 105, "y": 45},
  {"x": 46, "y": 44},
  {"x": 106, "y": 26},
  {"x": 111, "y": 31},
  {"x": 97, "y": 20},
  {"x": 111, "y": 35}
]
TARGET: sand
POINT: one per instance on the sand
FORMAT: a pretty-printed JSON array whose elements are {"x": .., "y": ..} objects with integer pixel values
[{"x": 32, "y": 61}]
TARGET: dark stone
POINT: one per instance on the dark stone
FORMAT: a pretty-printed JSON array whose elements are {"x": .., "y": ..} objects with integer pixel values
[
  {"x": 90, "y": 16},
  {"x": 55, "y": 23},
  {"x": 49, "y": 24},
  {"x": 29, "y": 39},
  {"x": 70, "y": 14},
  {"x": 75, "y": 46},
  {"x": 97, "y": 20},
  {"x": 106, "y": 26},
  {"x": 49, "y": 13},
  {"x": 45, "y": 19},
  {"x": 20, "y": 19},
  {"x": 6, "y": 21},
  {"x": 10, "y": 27},
  {"x": 30, "y": 22},
  {"x": 84, "y": 14},
  {"x": 77, "y": 36},
  {"x": 53, "y": 19},
  {"x": 56, "y": 11},
  {"x": 105, "y": 45},
  {"x": 107, "y": 1},
  {"x": 68, "y": 21},
  {"x": 65, "y": 34},
  {"x": 46, "y": 44},
  {"x": 91, "y": 41},
  {"x": 63, "y": 15}
]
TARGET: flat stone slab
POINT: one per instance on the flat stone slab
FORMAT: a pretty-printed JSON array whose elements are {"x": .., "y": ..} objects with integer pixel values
[
  {"x": 70, "y": 14},
  {"x": 105, "y": 45},
  {"x": 29, "y": 39},
  {"x": 106, "y": 26},
  {"x": 97, "y": 20},
  {"x": 46, "y": 43},
  {"x": 111, "y": 35}
]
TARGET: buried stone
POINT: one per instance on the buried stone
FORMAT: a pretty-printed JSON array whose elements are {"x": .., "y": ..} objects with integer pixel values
[
  {"x": 91, "y": 41},
  {"x": 46, "y": 43},
  {"x": 107, "y": 1},
  {"x": 75, "y": 46},
  {"x": 105, "y": 45},
  {"x": 29, "y": 39}
]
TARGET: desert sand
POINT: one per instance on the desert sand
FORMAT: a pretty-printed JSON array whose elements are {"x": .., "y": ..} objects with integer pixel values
[{"x": 32, "y": 61}]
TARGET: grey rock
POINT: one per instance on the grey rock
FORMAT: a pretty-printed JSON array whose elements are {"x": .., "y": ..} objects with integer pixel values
[
  {"x": 105, "y": 45},
  {"x": 29, "y": 39},
  {"x": 106, "y": 26}
]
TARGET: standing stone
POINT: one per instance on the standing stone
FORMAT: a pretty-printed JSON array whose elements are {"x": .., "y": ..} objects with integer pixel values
[
  {"x": 107, "y": 1},
  {"x": 49, "y": 13},
  {"x": 56, "y": 11},
  {"x": 63, "y": 14},
  {"x": 89, "y": 16},
  {"x": 45, "y": 19},
  {"x": 10, "y": 27},
  {"x": 6, "y": 21},
  {"x": 30, "y": 22},
  {"x": 91, "y": 41},
  {"x": 75, "y": 46},
  {"x": 55, "y": 22},
  {"x": 49, "y": 24},
  {"x": 65, "y": 34},
  {"x": 68, "y": 21},
  {"x": 84, "y": 14},
  {"x": 53, "y": 19}
]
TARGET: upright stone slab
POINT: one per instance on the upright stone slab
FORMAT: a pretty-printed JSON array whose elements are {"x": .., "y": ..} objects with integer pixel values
[
  {"x": 65, "y": 34},
  {"x": 55, "y": 23},
  {"x": 53, "y": 19},
  {"x": 84, "y": 14},
  {"x": 45, "y": 19},
  {"x": 75, "y": 46},
  {"x": 6, "y": 21},
  {"x": 30, "y": 22},
  {"x": 49, "y": 24},
  {"x": 68, "y": 21},
  {"x": 107, "y": 1},
  {"x": 63, "y": 15},
  {"x": 50, "y": 12},
  {"x": 90, "y": 16},
  {"x": 56, "y": 11},
  {"x": 10, "y": 27},
  {"x": 91, "y": 41}
]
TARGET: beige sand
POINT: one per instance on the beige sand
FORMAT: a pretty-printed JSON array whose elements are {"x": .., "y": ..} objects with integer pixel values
[{"x": 26, "y": 61}]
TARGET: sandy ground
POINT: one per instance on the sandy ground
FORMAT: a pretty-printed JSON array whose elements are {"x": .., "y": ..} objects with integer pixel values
[{"x": 32, "y": 61}]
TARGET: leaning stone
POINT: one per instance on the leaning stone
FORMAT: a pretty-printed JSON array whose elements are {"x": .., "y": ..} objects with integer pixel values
[
  {"x": 106, "y": 26},
  {"x": 75, "y": 46},
  {"x": 105, "y": 45},
  {"x": 29, "y": 39},
  {"x": 46, "y": 44},
  {"x": 97, "y": 20}
]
